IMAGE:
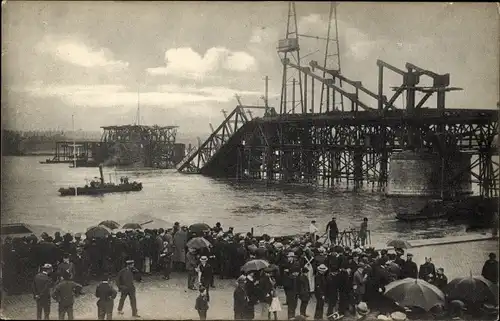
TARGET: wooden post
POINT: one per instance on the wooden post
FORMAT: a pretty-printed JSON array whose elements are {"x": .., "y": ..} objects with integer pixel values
[{"x": 251, "y": 231}]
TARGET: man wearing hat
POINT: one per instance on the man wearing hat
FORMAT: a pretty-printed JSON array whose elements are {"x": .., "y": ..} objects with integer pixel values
[
  {"x": 41, "y": 292},
  {"x": 332, "y": 230},
  {"x": 359, "y": 283},
  {"x": 240, "y": 299},
  {"x": 191, "y": 266},
  {"x": 320, "y": 283},
  {"x": 66, "y": 266},
  {"x": 287, "y": 268},
  {"x": 292, "y": 293},
  {"x": 125, "y": 283},
  {"x": 106, "y": 295},
  {"x": 304, "y": 291},
  {"x": 409, "y": 269},
  {"x": 64, "y": 293},
  {"x": 490, "y": 269},
  {"x": 206, "y": 274}
]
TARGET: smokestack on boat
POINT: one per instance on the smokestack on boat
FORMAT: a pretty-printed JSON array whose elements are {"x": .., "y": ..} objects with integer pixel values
[{"x": 102, "y": 175}]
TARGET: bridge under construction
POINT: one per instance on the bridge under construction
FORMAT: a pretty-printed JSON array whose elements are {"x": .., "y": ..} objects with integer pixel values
[{"x": 330, "y": 130}]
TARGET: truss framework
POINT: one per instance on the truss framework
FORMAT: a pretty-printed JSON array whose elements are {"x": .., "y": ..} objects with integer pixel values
[
  {"x": 154, "y": 146},
  {"x": 352, "y": 147}
]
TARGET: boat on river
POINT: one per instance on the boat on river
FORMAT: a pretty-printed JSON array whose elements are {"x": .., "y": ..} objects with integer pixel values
[{"x": 101, "y": 187}]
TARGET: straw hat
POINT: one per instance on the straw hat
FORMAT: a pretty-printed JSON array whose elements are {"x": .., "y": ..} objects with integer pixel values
[
  {"x": 322, "y": 268},
  {"x": 362, "y": 308},
  {"x": 398, "y": 316},
  {"x": 203, "y": 259},
  {"x": 291, "y": 254}
]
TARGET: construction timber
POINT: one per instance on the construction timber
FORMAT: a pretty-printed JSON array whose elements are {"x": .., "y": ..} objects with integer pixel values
[
  {"x": 147, "y": 146},
  {"x": 85, "y": 151},
  {"x": 350, "y": 147}
]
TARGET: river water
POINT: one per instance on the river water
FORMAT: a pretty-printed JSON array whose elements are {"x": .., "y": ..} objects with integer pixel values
[{"x": 29, "y": 195}]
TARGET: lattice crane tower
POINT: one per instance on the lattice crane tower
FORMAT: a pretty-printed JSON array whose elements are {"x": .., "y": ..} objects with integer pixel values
[
  {"x": 288, "y": 49},
  {"x": 293, "y": 90}
]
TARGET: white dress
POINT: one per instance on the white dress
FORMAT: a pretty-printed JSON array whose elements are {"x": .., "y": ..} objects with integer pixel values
[{"x": 275, "y": 305}]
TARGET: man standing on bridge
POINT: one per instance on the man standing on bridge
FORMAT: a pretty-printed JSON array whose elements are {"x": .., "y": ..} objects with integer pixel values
[{"x": 332, "y": 230}]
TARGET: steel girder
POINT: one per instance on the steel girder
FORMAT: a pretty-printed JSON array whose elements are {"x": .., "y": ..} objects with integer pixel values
[
  {"x": 356, "y": 156},
  {"x": 154, "y": 143}
]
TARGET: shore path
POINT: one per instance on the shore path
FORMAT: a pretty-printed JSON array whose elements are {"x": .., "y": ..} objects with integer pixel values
[{"x": 162, "y": 299}]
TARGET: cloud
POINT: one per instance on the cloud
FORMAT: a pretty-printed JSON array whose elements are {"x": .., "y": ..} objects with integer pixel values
[
  {"x": 78, "y": 53},
  {"x": 187, "y": 63},
  {"x": 168, "y": 95}
]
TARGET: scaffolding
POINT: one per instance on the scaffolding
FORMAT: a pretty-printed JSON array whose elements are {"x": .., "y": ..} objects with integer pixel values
[{"x": 148, "y": 146}]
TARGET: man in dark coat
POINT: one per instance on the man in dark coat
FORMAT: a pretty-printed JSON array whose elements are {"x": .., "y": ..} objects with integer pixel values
[
  {"x": 106, "y": 295},
  {"x": 320, "y": 283},
  {"x": 64, "y": 293},
  {"x": 125, "y": 283},
  {"x": 409, "y": 268},
  {"x": 332, "y": 292},
  {"x": 207, "y": 273},
  {"x": 490, "y": 269},
  {"x": 288, "y": 266},
  {"x": 292, "y": 293},
  {"x": 441, "y": 280},
  {"x": 66, "y": 267},
  {"x": 265, "y": 287},
  {"x": 240, "y": 300},
  {"x": 41, "y": 292},
  {"x": 191, "y": 264},
  {"x": 304, "y": 291},
  {"x": 427, "y": 271},
  {"x": 333, "y": 230}
]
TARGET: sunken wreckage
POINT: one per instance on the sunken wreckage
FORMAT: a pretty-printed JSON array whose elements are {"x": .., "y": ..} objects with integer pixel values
[
  {"x": 125, "y": 145},
  {"x": 424, "y": 159}
]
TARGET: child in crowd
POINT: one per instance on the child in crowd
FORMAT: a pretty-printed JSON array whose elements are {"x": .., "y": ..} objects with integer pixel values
[
  {"x": 275, "y": 306},
  {"x": 202, "y": 304}
]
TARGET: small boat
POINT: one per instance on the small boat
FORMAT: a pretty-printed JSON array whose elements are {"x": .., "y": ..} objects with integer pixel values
[{"x": 101, "y": 187}]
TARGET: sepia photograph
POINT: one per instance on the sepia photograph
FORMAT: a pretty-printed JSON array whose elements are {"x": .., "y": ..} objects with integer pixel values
[{"x": 250, "y": 160}]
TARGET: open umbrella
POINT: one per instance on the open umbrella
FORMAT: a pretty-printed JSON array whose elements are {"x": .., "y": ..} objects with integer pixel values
[
  {"x": 399, "y": 244},
  {"x": 472, "y": 289},
  {"x": 254, "y": 265},
  {"x": 198, "y": 243},
  {"x": 199, "y": 227},
  {"x": 97, "y": 232},
  {"x": 252, "y": 248},
  {"x": 110, "y": 224},
  {"x": 411, "y": 292},
  {"x": 133, "y": 226}
]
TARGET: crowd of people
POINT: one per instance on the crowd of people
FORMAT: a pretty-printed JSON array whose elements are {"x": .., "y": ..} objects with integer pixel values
[{"x": 343, "y": 280}]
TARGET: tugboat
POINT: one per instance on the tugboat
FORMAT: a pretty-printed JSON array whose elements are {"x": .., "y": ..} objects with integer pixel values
[{"x": 101, "y": 187}]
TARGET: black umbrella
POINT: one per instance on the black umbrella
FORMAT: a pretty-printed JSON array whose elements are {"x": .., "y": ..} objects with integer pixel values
[
  {"x": 198, "y": 243},
  {"x": 411, "y": 292},
  {"x": 254, "y": 265},
  {"x": 472, "y": 289},
  {"x": 133, "y": 226},
  {"x": 97, "y": 232},
  {"x": 402, "y": 244},
  {"x": 199, "y": 227},
  {"x": 110, "y": 224}
]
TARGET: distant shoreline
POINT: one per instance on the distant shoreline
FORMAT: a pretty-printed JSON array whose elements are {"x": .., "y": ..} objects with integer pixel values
[{"x": 41, "y": 153}]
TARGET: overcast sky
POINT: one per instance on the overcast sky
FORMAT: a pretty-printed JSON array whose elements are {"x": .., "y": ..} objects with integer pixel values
[{"x": 190, "y": 58}]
